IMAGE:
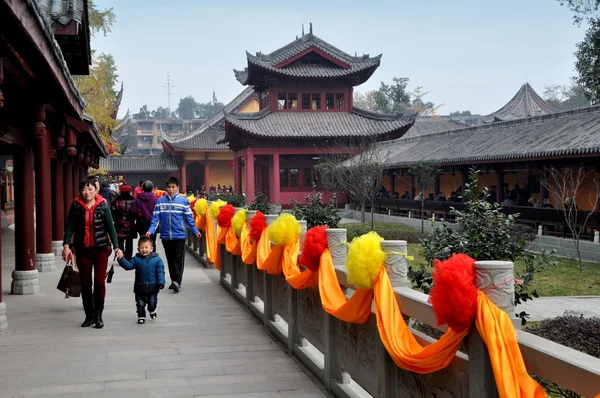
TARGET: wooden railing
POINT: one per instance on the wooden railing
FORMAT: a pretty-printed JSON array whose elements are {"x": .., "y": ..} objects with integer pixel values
[{"x": 350, "y": 359}]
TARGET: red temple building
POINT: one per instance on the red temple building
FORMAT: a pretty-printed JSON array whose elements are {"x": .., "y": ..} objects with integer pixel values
[{"x": 305, "y": 92}]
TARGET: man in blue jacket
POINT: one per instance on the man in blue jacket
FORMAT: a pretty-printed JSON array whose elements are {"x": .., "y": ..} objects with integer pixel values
[{"x": 173, "y": 212}]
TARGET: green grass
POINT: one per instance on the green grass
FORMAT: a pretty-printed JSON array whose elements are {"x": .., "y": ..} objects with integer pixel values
[{"x": 388, "y": 231}]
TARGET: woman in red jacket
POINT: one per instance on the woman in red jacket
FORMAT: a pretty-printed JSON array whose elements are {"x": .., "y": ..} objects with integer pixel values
[{"x": 91, "y": 227}]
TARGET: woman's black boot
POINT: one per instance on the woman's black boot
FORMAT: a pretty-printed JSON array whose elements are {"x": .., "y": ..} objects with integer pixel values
[
  {"x": 98, "y": 316},
  {"x": 89, "y": 319},
  {"x": 88, "y": 307}
]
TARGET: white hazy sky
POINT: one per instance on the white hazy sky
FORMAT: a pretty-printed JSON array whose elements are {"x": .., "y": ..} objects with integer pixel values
[{"x": 468, "y": 54}]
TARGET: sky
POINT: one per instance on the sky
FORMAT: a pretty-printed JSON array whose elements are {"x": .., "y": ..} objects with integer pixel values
[{"x": 467, "y": 54}]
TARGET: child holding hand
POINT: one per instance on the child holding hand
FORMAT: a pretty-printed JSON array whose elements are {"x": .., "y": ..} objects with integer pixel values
[{"x": 149, "y": 277}]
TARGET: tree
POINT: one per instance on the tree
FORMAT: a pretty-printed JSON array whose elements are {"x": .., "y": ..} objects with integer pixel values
[
  {"x": 582, "y": 9},
  {"x": 206, "y": 110},
  {"x": 365, "y": 101},
  {"x": 161, "y": 113},
  {"x": 565, "y": 185},
  {"x": 392, "y": 98},
  {"x": 100, "y": 20},
  {"x": 143, "y": 114},
  {"x": 459, "y": 113},
  {"x": 187, "y": 108},
  {"x": 566, "y": 97},
  {"x": 98, "y": 90},
  {"x": 424, "y": 174},
  {"x": 420, "y": 107},
  {"x": 587, "y": 62}
]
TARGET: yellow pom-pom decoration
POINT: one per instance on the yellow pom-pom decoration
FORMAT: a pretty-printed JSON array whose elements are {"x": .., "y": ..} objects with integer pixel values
[
  {"x": 201, "y": 206},
  {"x": 238, "y": 221},
  {"x": 215, "y": 207},
  {"x": 364, "y": 260},
  {"x": 191, "y": 198},
  {"x": 285, "y": 229}
]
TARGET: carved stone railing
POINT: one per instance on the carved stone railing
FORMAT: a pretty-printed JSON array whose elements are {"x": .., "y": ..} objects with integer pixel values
[{"x": 351, "y": 360}]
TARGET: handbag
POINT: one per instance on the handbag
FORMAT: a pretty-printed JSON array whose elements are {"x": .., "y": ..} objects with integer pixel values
[
  {"x": 69, "y": 282},
  {"x": 111, "y": 272}
]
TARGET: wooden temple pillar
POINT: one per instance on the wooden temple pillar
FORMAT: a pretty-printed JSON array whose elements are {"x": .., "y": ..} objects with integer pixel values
[
  {"x": 413, "y": 188},
  {"x": 25, "y": 276},
  {"x": 206, "y": 173},
  {"x": 237, "y": 174},
  {"x": 75, "y": 179},
  {"x": 499, "y": 185},
  {"x": 68, "y": 195},
  {"x": 249, "y": 171},
  {"x": 44, "y": 256},
  {"x": 183, "y": 180},
  {"x": 392, "y": 176},
  {"x": 436, "y": 186},
  {"x": 275, "y": 183},
  {"x": 58, "y": 204}
]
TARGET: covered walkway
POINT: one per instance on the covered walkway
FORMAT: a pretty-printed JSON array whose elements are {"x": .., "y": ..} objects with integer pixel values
[{"x": 202, "y": 344}]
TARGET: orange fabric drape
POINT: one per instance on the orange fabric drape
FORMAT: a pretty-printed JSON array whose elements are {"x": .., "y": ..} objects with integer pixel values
[
  {"x": 272, "y": 264},
  {"x": 232, "y": 242},
  {"x": 263, "y": 249},
  {"x": 356, "y": 310},
  {"x": 400, "y": 343},
  {"x": 293, "y": 275},
  {"x": 200, "y": 222},
  {"x": 498, "y": 333},
  {"x": 222, "y": 234},
  {"x": 248, "y": 247},
  {"x": 212, "y": 248}
]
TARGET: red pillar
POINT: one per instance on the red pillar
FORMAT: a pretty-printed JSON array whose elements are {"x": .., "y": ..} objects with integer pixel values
[
  {"x": 206, "y": 173},
  {"x": 183, "y": 181},
  {"x": 249, "y": 165},
  {"x": 275, "y": 186},
  {"x": 43, "y": 203},
  {"x": 58, "y": 201},
  {"x": 68, "y": 194},
  {"x": 24, "y": 207},
  {"x": 237, "y": 180}
]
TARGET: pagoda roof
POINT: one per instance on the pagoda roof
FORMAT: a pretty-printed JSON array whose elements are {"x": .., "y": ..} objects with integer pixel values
[
  {"x": 139, "y": 164},
  {"x": 318, "y": 125},
  {"x": 525, "y": 103},
  {"x": 565, "y": 134},
  {"x": 206, "y": 136},
  {"x": 280, "y": 62}
]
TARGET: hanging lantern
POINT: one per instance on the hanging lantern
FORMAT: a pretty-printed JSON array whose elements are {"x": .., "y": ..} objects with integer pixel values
[
  {"x": 110, "y": 148},
  {"x": 231, "y": 164}
]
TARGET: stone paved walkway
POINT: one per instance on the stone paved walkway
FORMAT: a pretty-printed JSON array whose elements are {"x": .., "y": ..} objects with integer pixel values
[
  {"x": 551, "y": 307},
  {"x": 203, "y": 343}
]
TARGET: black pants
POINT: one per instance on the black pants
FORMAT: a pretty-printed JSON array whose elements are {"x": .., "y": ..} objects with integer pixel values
[
  {"x": 127, "y": 246},
  {"x": 174, "y": 250},
  {"x": 143, "y": 299}
]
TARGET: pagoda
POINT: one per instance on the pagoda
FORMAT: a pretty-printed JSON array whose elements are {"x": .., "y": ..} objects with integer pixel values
[
  {"x": 305, "y": 92},
  {"x": 525, "y": 103}
]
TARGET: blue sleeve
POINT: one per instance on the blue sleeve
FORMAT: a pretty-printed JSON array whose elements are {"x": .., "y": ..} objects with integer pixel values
[
  {"x": 189, "y": 218},
  {"x": 126, "y": 264},
  {"x": 155, "y": 215},
  {"x": 160, "y": 272}
]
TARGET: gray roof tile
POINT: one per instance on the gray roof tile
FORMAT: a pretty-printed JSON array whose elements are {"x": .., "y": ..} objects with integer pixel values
[
  {"x": 130, "y": 164},
  {"x": 425, "y": 126},
  {"x": 62, "y": 11},
  {"x": 212, "y": 130},
  {"x": 572, "y": 133},
  {"x": 525, "y": 103},
  {"x": 358, "y": 123}
]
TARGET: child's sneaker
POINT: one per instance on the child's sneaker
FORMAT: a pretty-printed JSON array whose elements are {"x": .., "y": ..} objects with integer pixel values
[
  {"x": 141, "y": 321},
  {"x": 176, "y": 287},
  {"x": 153, "y": 315}
]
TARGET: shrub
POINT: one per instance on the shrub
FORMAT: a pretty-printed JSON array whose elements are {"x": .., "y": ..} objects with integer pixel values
[
  {"x": 315, "y": 212},
  {"x": 581, "y": 334},
  {"x": 261, "y": 203},
  {"x": 388, "y": 231},
  {"x": 231, "y": 198}
]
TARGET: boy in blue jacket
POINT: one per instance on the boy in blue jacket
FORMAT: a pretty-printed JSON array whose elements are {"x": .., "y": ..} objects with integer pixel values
[
  {"x": 149, "y": 277},
  {"x": 173, "y": 212}
]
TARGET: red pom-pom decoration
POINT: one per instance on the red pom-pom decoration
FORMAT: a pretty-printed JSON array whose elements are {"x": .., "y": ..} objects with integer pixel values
[
  {"x": 225, "y": 215},
  {"x": 315, "y": 244},
  {"x": 193, "y": 206},
  {"x": 257, "y": 224},
  {"x": 454, "y": 294}
]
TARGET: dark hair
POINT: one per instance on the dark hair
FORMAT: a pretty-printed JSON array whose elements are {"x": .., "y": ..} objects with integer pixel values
[
  {"x": 141, "y": 182},
  {"x": 145, "y": 239},
  {"x": 148, "y": 186},
  {"x": 88, "y": 181},
  {"x": 173, "y": 180}
]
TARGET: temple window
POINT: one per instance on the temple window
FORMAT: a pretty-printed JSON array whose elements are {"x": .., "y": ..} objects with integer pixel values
[
  {"x": 305, "y": 101},
  {"x": 281, "y": 103},
  {"x": 284, "y": 179},
  {"x": 308, "y": 182},
  {"x": 292, "y": 101},
  {"x": 329, "y": 102},
  {"x": 316, "y": 101},
  {"x": 293, "y": 177},
  {"x": 339, "y": 100}
]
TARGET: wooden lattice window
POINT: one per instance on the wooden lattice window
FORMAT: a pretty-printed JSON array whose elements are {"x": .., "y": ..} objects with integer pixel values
[
  {"x": 316, "y": 101},
  {"x": 281, "y": 101},
  {"x": 329, "y": 101},
  {"x": 292, "y": 101},
  {"x": 284, "y": 180},
  {"x": 339, "y": 101},
  {"x": 293, "y": 177},
  {"x": 305, "y": 101},
  {"x": 308, "y": 181}
]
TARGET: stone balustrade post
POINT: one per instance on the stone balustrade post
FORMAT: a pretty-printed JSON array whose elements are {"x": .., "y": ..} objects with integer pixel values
[
  {"x": 596, "y": 237},
  {"x": 336, "y": 242},
  {"x": 396, "y": 263}
]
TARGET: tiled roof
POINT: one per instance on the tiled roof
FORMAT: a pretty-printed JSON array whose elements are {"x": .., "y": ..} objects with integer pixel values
[
  {"x": 572, "y": 133},
  {"x": 425, "y": 126},
  {"x": 525, "y": 103},
  {"x": 211, "y": 131},
  {"x": 129, "y": 164},
  {"x": 301, "y": 125},
  {"x": 270, "y": 61},
  {"x": 62, "y": 11}
]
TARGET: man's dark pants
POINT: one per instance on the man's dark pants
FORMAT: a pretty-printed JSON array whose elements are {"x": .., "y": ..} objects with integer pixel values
[{"x": 174, "y": 250}]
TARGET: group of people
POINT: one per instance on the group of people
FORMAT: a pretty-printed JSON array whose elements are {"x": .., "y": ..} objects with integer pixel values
[{"x": 101, "y": 222}]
